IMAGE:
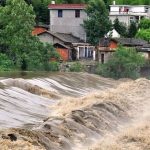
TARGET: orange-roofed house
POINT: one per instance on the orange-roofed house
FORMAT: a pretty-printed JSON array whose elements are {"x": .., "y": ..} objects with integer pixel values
[{"x": 39, "y": 29}]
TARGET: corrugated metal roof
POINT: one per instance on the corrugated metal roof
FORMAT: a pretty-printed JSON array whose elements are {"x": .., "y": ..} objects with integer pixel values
[{"x": 67, "y": 6}]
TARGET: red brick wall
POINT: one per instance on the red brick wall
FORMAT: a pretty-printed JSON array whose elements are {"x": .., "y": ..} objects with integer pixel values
[
  {"x": 113, "y": 45},
  {"x": 64, "y": 53}
]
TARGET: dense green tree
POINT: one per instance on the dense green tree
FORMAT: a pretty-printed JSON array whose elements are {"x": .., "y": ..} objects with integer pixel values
[
  {"x": 41, "y": 10},
  {"x": 144, "y": 24},
  {"x": 98, "y": 23},
  {"x": 120, "y": 27},
  {"x": 133, "y": 2},
  {"x": 132, "y": 30},
  {"x": 125, "y": 63},
  {"x": 26, "y": 51},
  {"x": 125, "y": 31},
  {"x": 5, "y": 63},
  {"x": 144, "y": 30},
  {"x": 2, "y": 2},
  {"x": 144, "y": 34}
]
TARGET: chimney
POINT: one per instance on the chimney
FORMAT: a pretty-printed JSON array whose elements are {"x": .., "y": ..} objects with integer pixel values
[
  {"x": 52, "y": 2},
  {"x": 114, "y": 2}
]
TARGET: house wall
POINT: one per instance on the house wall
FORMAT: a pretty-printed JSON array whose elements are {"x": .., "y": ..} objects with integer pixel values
[
  {"x": 137, "y": 9},
  {"x": 85, "y": 52},
  {"x": 107, "y": 56},
  {"x": 146, "y": 55},
  {"x": 47, "y": 38},
  {"x": 113, "y": 45},
  {"x": 114, "y": 8},
  {"x": 81, "y": 52},
  {"x": 122, "y": 18},
  {"x": 126, "y": 13},
  {"x": 68, "y": 23},
  {"x": 64, "y": 53},
  {"x": 127, "y": 9}
]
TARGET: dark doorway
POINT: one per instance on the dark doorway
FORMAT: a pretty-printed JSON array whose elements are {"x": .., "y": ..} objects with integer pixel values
[
  {"x": 74, "y": 54},
  {"x": 102, "y": 58}
]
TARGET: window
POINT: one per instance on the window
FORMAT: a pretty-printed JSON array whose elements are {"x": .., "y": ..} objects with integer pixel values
[
  {"x": 131, "y": 19},
  {"x": 60, "y": 13},
  {"x": 77, "y": 13}
]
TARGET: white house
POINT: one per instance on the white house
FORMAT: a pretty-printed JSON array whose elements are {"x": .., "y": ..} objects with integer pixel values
[{"x": 129, "y": 13}]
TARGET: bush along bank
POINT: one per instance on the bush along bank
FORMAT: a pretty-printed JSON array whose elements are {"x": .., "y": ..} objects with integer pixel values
[{"x": 125, "y": 63}]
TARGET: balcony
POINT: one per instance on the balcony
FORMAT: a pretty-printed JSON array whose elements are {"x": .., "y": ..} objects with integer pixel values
[{"x": 128, "y": 13}]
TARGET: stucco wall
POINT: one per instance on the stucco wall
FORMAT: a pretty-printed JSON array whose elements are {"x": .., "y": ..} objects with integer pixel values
[
  {"x": 47, "y": 38},
  {"x": 122, "y": 18},
  {"x": 107, "y": 56},
  {"x": 68, "y": 23}
]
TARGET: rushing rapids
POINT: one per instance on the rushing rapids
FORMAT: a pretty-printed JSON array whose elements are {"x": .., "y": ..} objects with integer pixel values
[{"x": 71, "y": 111}]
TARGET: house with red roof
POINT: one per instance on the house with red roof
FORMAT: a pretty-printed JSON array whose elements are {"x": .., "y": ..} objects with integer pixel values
[
  {"x": 68, "y": 18},
  {"x": 39, "y": 29},
  {"x": 66, "y": 33}
]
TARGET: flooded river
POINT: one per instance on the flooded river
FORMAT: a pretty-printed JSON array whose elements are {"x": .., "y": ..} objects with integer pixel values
[{"x": 68, "y": 111}]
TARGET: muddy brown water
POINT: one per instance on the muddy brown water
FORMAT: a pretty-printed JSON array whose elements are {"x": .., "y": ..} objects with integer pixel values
[
  {"x": 66, "y": 111},
  {"x": 25, "y": 97}
]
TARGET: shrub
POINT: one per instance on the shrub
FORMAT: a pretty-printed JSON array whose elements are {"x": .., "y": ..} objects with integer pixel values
[
  {"x": 54, "y": 54},
  {"x": 5, "y": 63},
  {"x": 125, "y": 63},
  {"x": 76, "y": 67},
  {"x": 144, "y": 34},
  {"x": 52, "y": 66}
]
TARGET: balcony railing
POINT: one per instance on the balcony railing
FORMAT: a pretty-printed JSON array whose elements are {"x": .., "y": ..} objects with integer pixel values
[{"x": 128, "y": 13}]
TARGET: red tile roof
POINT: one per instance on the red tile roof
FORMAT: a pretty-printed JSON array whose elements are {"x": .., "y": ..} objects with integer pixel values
[
  {"x": 67, "y": 6},
  {"x": 38, "y": 30}
]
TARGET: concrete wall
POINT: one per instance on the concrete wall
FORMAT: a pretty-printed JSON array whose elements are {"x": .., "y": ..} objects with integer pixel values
[
  {"x": 68, "y": 23},
  {"x": 117, "y": 9},
  {"x": 122, "y": 18},
  {"x": 107, "y": 56},
  {"x": 47, "y": 38},
  {"x": 148, "y": 13},
  {"x": 114, "y": 9},
  {"x": 137, "y": 9}
]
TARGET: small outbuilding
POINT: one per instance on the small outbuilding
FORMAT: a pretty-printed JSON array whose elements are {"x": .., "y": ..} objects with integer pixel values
[
  {"x": 68, "y": 46},
  {"x": 108, "y": 45}
]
